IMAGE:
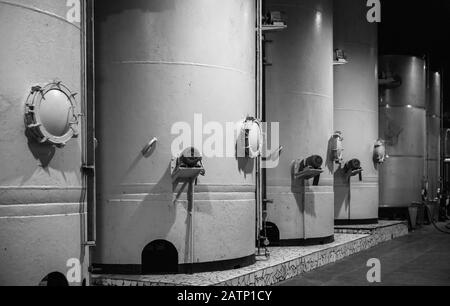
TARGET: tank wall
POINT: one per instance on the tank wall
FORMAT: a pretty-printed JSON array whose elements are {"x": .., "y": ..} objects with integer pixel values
[
  {"x": 447, "y": 143},
  {"x": 356, "y": 109},
  {"x": 40, "y": 186},
  {"x": 403, "y": 126},
  {"x": 299, "y": 95},
  {"x": 160, "y": 63},
  {"x": 434, "y": 118}
]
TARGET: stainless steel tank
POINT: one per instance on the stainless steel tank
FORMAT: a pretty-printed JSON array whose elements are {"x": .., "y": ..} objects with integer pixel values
[
  {"x": 161, "y": 64},
  {"x": 403, "y": 127},
  {"x": 356, "y": 111},
  {"x": 434, "y": 119},
  {"x": 41, "y": 211},
  {"x": 299, "y": 95}
]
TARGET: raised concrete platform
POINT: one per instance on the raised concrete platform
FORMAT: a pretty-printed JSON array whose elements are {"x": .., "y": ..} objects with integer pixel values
[
  {"x": 283, "y": 264},
  {"x": 371, "y": 229}
]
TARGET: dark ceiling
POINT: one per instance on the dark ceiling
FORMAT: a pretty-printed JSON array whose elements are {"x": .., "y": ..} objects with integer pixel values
[{"x": 419, "y": 28}]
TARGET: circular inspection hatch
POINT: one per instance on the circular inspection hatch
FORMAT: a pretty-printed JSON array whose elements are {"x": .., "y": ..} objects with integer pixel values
[{"x": 50, "y": 114}]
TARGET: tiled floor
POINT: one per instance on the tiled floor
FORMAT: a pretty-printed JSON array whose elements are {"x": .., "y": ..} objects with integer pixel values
[{"x": 283, "y": 264}]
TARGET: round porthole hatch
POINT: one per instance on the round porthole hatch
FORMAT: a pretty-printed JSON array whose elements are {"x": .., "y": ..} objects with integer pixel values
[{"x": 50, "y": 114}]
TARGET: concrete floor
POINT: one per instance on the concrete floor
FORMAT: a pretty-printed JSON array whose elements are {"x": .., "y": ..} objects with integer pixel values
[{"x": 419, "y": 259}]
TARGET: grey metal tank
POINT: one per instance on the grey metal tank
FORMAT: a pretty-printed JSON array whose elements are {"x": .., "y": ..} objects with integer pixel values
[
  {"x": 162, "y": 65},
  {"x": 42, "y": 209},
  {"x": 356, "y": 111},
  {"x": 299, "y": 95},
  {"x": 403, "y": 127}
]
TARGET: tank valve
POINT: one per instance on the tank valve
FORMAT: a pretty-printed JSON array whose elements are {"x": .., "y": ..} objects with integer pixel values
[
  {"x": 188, "y": 166},
  {"x": 309, "y": 168},
  {"x": 337, "y": 148},
  {"x": 379, "y": 152},
  {"x": 353, "y": 168},
  {"x": 275, "y": 155},
  {"x": 250, "y": 140},
  {"x": 275, "y": 18},
  {"x": 149, "y": 147}
]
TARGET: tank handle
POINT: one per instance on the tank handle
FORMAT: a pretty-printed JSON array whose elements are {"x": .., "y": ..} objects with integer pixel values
[{"x": 148, "y": 148}]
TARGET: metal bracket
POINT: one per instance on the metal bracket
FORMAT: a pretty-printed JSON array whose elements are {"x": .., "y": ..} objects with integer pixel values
[
  {"x": 90, "y": 244},
  {"x": 88, "y": 170},
  {"x": 305, "y": 170}
]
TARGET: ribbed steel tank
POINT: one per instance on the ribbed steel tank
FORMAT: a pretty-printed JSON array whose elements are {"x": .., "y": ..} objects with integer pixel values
[
  {"x": 41, "y": 215},
  {"x": 434, "y": 119},
  {"x": 299, "y": 95},
  {"x": 403, "y": 127},
  {"x": 161, "y": 64},
  {"x": 356, "y": 111}
]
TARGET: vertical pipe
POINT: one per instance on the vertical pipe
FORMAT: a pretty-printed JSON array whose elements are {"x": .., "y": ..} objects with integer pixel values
[
  {"x": 442, "y": 157},
  {"x": 90, "y": 141},
  {"x": 191, "y": 205},
  {"x": 259, "y": 106}
]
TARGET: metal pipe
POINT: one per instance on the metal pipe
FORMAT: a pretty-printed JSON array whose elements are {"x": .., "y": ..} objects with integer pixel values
[
  {"x": 259, "y": 106},
  {"x": 191, "y": 203},
  {"x": 90, "y": 140},
  {"x": 442, "y": 158}
]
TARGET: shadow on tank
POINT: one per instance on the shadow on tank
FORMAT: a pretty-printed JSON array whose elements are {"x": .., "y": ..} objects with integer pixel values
[
  {"x": 342, "y": 191},
  {"x": 272, "y": 234},
  {"x": 44, "y": 153},
  {"x": 299, "y": 190},
  {"x": 246, "y": 165},
  {"x": 59, "y": 159}
]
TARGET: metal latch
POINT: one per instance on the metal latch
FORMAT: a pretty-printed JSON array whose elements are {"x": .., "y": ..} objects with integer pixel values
[{"x": 88, "y": 169}]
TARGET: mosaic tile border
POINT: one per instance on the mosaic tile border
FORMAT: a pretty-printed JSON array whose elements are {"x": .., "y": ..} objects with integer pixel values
[
  {"x": 366, "y": 229},
  {"x": 284, "y": 264}
]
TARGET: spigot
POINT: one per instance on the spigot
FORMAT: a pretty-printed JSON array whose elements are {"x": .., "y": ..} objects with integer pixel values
[{"x": 148, "y": 148}]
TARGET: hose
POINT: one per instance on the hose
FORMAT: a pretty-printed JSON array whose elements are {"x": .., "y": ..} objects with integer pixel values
[{"x": 434, "y": 223}]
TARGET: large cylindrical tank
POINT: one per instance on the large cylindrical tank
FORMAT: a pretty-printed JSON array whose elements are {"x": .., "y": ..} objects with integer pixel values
[
  {"x": 161, "y": 64},
  {"x": 299, "y": 95},
  {"x": 403, "y": 127},
  {"x": 356, "y": 111},
  {"x": 434, "y": 120},
  {"x": 41, "y": 218}
]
